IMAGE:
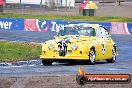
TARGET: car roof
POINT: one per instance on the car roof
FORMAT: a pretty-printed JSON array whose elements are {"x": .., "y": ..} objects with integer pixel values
[{"x": 95, "y": 26}]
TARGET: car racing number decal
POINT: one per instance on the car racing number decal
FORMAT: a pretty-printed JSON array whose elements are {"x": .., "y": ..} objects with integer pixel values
[{"x": 103, "y": 48}]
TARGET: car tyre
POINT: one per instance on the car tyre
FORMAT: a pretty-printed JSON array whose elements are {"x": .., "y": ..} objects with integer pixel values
[
  {"x": 92, "y": 56},
  {"x": 46, "y": 63},
  {"x": 113, "y": 59}
]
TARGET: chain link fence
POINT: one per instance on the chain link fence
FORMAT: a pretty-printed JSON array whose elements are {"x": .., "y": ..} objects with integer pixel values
[{"x": 41, "y": 7}]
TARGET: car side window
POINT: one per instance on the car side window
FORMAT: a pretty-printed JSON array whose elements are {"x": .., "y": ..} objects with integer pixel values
[
  {"x": 98, "y": 33},
  {"x": 102, "y": 33}
]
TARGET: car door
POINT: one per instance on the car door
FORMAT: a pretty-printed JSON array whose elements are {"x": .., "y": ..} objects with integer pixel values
[
  {"x": 106, "y": 43},
  {"x": 100, "y": 46}
]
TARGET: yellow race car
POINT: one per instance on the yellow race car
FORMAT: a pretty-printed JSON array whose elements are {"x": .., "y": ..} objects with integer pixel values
[{"x": 86, "y": 42}]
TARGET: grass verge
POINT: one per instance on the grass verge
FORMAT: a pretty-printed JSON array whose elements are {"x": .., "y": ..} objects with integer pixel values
[
  {"x": 13, "y": 51},
  {"x": 70, "y": 18}
]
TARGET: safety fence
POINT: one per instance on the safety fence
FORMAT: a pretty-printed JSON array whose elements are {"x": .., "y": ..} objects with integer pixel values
[
  {"x": 49, "y": 3},
  {"x": 55, "y": 25}
]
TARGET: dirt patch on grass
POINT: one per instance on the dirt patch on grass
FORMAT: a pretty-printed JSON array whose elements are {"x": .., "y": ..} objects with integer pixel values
[
  {"x": 52, "y": 82},
  {"x": 7, "y": 82}
]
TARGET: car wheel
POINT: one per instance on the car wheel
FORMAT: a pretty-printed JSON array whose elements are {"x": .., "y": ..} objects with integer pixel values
[
  {"x": 47, "y": 63},
  {"x": 113, "y": 59},
  {"x": 92, "y": 56}
]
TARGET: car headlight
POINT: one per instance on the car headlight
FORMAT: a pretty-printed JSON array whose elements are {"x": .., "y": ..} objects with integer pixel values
[
  {"x": 51, "y": 46},
  {"x": 74, "y": 47}
]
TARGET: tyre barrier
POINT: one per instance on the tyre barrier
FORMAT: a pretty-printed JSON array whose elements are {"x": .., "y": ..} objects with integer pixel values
[{"x": 21, "y": 63}]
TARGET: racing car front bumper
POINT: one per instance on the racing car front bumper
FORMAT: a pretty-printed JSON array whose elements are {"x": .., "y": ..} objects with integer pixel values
[{"x": 67, "y": 57}]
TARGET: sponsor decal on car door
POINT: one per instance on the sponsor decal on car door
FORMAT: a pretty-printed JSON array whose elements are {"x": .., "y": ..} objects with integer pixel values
[{"x": 107, "y": 44}]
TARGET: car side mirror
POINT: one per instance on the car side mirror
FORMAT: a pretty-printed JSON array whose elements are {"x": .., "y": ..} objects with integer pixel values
[{"x": 57, "y": 35}]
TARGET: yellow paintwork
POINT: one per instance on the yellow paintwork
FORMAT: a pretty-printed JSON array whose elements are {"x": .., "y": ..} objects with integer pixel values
[{"x": 84, "y": 43}]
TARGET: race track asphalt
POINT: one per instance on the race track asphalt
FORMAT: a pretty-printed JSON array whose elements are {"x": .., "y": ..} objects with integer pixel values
[{"x": 35, "y": 67}]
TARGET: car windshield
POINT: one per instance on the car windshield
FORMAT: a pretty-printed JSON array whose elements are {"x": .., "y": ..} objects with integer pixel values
[{"x": 84, "y": 31}]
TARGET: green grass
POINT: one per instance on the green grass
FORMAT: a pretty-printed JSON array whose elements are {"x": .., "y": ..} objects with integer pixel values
[
  {"x": 12, "y": 51},
  {"x": 70, "y": 18}
]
